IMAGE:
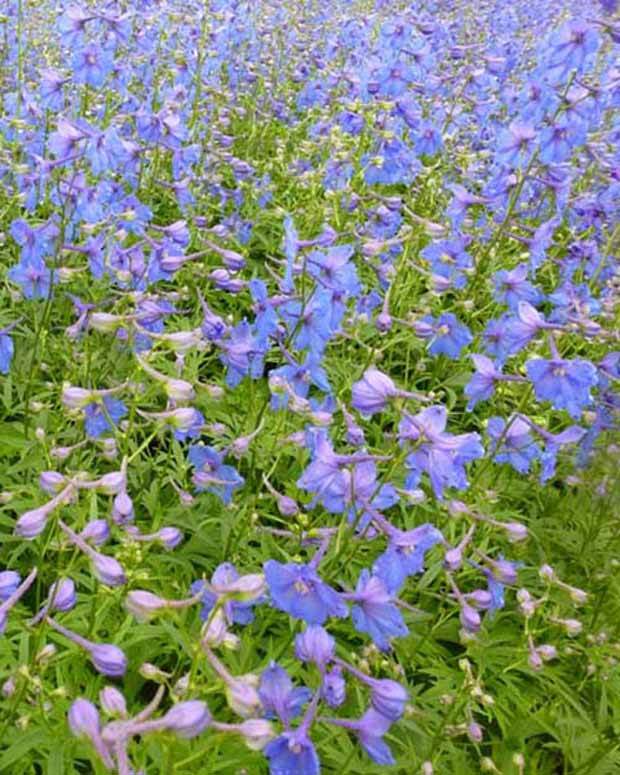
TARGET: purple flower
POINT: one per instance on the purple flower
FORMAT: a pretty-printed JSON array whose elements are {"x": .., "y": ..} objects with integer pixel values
[
  {"x": 292, "y": 754},
  {"x": 99, "y": 414},
  {"x": 405, "y": 555},
  {"x": 279, "y": 697},
  {"x": 446, "y": 334},
  {"x": 514, "y": 445},
  {"x": 33, "y": 277},
  {"x": 512, "y": 286},
  {"x": 298, "y": 590},
  {"x": 212, "y": 474},
  {"x": 188, "y": 719},
  {"x": 372, "y": 393},
  {"x": 565, "y": 383},
  {"x": 236, "y": 611},
  {"x": 441, "y": 455},
  {"x": 375, "y": 612},
  {"x": 334, "y": 688},
  {"x": 316, "y": 645}
]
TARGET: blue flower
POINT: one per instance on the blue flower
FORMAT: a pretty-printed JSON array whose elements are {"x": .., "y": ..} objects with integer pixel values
[
  {"x": 482, "y": 384},
  {"x": 97, "y": 416},
  {"x": 375, "y": 612},
  {"x": 405, "y": 555},
  {"x": 212, "y": 474},
  {"x": 279, "y": 697},
  {"x": 6, "y": 353},
  {"x": 33, "y": 276},
  {"x": 292, "y": 754},
  {"x": 517, "y": 446},
  {"x": 447, "y": 335},
  {"x": 565, "y": 383},
  {"x": 512, "y": 286},
  {"x": 235, "y": 611},
  {"x": 441, "y": 455},
  {"x": 298, "y": 590}
]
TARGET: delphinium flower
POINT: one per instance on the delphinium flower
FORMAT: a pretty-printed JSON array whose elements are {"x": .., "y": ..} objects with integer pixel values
[
  {"x": 13, "y": 595},
  {"x": 299, "y": 591},
  {"x": 512, "y": 443},
  {"x": 567, "y": 384},
  {"x": 447, "y": 336},
  {"x": 441, "y": 455},
  {"x": 372, "y": 393},
  {"x": 375, "y": 612},
  {"x": 107, "y": 569},
  {"x": 482, "y": 384},
  {"x": 106, "y": 658},
  {"x": 212, "y": 474}
]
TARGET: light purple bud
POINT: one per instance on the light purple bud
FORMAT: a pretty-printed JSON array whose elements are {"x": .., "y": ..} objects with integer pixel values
[
  {"x": 113, "y": 702},
  {"x": 83, "y": 718},
  {"x": 108, "y": 570},
  {"x": 504, "y": 571},
  {"x": 144, "y": 605},
  {"x": 62, "y": 595},
  {"x": 474, "y": 732},
  {"x": 52, "y": 482},
  {"x": 170, "y": 537},
  {"x": 97, "y": 532},
  {"x": 9, "y": 581},
  {"x": 108, "y": 659},
  {"x": 547, "y": 651},
  {"x": 287, "y": 506},
  {"x": 383, "y": 322},
  {"x": 470, "y": 618},
  {"x": 316, "y": 645},
  {"x": 112, "y": 483},
  {"x": 516, "y": 531},
  {"x": 371, "y": 394},
  {"x": 480, "y": 598},
  {"x": 188, "y": 719},
  {"x": 122, "y": 508},
  {"x": 334, "y": 687},
  {"x": 453, "y": 558},
  {"x": 76, "y": 397},
  {"x": 32, "y": 523},
  {"x": 389, "y": 698}
]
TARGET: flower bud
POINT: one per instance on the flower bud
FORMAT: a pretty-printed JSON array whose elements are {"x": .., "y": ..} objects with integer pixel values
[
  {"x": 256, "y": 732},
  {"x": 516, "y": 531},
  {"x": 52, "y": 482},
  {"x": 32, "y": 523},
  {"x": 144, "y": 605},
  {"x": 474, "y": 732},
  {"x": 470, "y": 618},
  {"x": 170, "y": 537},
  {"x": 179, "y": 390},
  {"x": 242, "y": 695},
  {"x": 76, "y": 397},
  {"x": 153, "y": 673},
  {"x": 334, "y": 688},
  {"x": 108, "y": 570},
  {"x": 83, "y": 719},
  {"x": 112, "y": 483},
  {"x": 122, "y": 508},
  {"x": 113, "y": 702},
  {"x": 188, "y": 719},
  {"x": 108, "y": 659},
  {"x": 389, "y": 698},
  {"x": 62, "y": 595},
  {"x": 316, "y": 645},
  {"x": 9, "y": 581},
  {"x": 96, "y": 532}
]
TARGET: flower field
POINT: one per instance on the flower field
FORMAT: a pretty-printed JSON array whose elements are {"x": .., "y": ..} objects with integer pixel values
[{"x": 309, "y": 387}]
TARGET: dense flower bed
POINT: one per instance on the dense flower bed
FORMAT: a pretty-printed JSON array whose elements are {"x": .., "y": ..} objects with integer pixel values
[{"x": 305, "y": 305}]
